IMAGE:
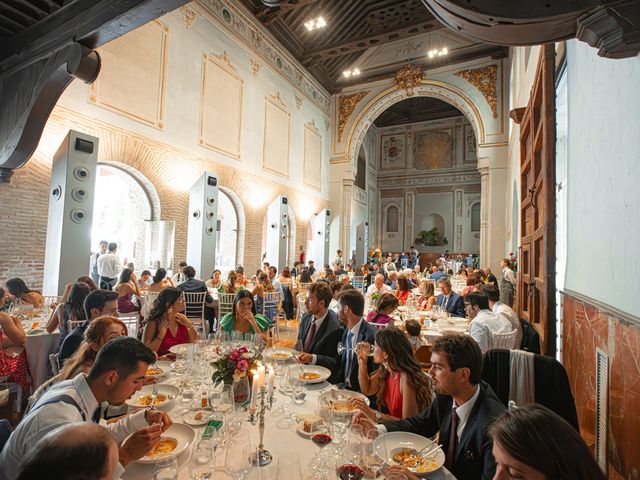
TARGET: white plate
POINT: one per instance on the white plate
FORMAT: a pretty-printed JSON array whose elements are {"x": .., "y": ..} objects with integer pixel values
[
  {"x": 183, "y": 434},
  {"x": 289, "y": 352},
  {"x": 183, "y": 347},
  {"x": 162, "y": 365},
  {"x": 397, "y": 440},
  {"x": 190, "y": 419},
  {"x": 301, "y": 432},
  {"x": 323, "y": 372},
  {"x": 335, "y": 395},
  {"x": 170, "y": 391}
]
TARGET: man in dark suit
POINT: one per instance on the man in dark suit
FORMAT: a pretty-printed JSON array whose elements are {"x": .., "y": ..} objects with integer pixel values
[
  {"x": 192, "y": 285},
  {"x": 450, "y": 300},
  {"x": 463, "y": 409},
  {"x": 320, "y": 330},
  {"x": 357, "y": 330}
]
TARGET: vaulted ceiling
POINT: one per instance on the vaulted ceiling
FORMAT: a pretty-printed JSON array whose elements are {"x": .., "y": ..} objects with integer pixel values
[
  {"x": 416, "y": 109},
  {"x": 375, "y": 36}
]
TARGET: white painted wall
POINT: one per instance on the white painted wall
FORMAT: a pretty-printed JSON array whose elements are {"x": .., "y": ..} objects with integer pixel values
[{"x": 603, "y": 170}]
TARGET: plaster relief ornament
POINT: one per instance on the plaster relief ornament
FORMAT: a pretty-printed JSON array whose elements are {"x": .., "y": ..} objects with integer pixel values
[
  {"x": 409, "y": 77},
  {"x": 484, "y": 79},
  {"x": 346, "y": 105}
]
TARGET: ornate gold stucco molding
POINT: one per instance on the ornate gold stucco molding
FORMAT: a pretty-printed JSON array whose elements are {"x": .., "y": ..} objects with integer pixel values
[
  {"x": 408, "y": 77},
  {"x": 484, "y": 79},
  {"x": 188, "y": 15},
  {"x": 346, "y": 105}
]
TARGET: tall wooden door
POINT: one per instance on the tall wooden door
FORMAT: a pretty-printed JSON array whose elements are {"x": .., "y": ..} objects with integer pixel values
[{"x": 536, "y": 284}]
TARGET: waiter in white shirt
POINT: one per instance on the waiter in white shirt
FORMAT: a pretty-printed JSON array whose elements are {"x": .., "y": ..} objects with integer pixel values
[
  {"x": 109, "y": 266},
  {"x": 93, "y": 261}
]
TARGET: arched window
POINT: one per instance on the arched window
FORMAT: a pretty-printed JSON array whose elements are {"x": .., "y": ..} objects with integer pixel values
[
  {"x": 393, "y": 215},
  {"x": 475, "y": 217},
  {"x": 226, "y": 246}
]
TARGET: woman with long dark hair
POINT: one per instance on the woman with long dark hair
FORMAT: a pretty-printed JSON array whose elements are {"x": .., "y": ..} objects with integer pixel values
[
  {"x": 167, "y": 325},
  {"x": 386, "y": 305},
  {"x": 215, "y": 281},
  {"x": 159, "y": 281},
  {"x": 128, "y": 292},
  {"x": 535, "y": 443},
  {"x": 402, "y": 389},
  {"x": 403, "y": 289},
  {"x": 243, "y": 317},
  {"x": 19, "y": 289},
  {"x": 70, "y": 311}
]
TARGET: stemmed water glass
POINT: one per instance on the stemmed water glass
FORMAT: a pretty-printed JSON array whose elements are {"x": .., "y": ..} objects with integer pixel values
[{"x": 372, "y": 460}]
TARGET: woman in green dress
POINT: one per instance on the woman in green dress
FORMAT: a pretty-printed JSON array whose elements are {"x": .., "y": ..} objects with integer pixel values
[{"x": 243, "y": 318}]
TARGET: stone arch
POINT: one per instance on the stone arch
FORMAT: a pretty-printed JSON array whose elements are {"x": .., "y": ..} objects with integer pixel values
[
  {"x": 239, "y": 207},
  {"x": 143, "y": 181},
  {"x": 395, "y": 94}
]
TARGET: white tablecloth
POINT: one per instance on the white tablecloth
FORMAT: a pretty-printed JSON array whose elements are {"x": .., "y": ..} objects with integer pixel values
[{"x": 276, "y": 441}]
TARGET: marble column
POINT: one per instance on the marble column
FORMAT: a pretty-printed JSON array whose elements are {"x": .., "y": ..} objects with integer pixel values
[
  {"x": 458, "y": 219},
  {"x": 484, "y": 210},
  {"x": 409, "y": 210},
  {"x": 347, "y": 206}
]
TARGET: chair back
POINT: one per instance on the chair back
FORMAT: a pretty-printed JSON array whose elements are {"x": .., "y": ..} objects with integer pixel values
[
  {"x": 148, "y": 299},
  {"x": 5, "y": 432},
  {"x": 303, "y": 287},
  {"x": 75, "y": 323},
  {"x": 270, "y": 305},
  {"x": 132, "y": 322},
  {"x": 302, "y": 308},
  {"x": 357, "y": 282},
  {"x": 225, "y": 303},
  {"x": 53, "y": 361},
  {"x": 505, "y": 340}
]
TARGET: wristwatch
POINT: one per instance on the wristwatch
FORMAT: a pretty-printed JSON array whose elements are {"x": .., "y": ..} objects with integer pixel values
[{"x": 378, "y": 416}]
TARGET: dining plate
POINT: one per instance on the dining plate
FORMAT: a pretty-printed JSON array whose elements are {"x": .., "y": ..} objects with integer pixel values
[
  {"x": 166, "y": 394},
  {"x": 279, "y": 353},
  {"x": 178, "y": 437},
  {"x": 159, "y": 369},
  {"x": 301, "y": 432},
  {"x": 311, "y": 373},
  {"x": 182, "y": 348},
  {"x": 390, "y": 445},
  {"x": 198, "y": 418},
  {"x": 338, "y": 400}
]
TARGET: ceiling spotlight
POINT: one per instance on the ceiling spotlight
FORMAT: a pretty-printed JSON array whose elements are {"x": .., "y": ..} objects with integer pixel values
[
  {"x": 315, "y": 24},
  {"x": 351, "y": 73},
  {"x": 438, "y": 53}
]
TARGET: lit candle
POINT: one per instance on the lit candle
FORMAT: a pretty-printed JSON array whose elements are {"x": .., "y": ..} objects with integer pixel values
[
  {"x": 271, "y": 379},
  {"x": 254, "y": 390},
  {"x": 261, "y": 375}
]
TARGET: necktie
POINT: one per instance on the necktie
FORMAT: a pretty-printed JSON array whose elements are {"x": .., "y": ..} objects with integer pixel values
[
  {"x": 96, "y": 415},
  {"x": 453, "y": 439},
  {"x": 445, "y": 301},
  {"x": 347, "y": 366},
  {"x": 310, "y": 334}
]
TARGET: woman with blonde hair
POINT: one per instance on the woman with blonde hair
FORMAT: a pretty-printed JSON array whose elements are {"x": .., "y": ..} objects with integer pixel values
[{"x": 427, "y": 295}]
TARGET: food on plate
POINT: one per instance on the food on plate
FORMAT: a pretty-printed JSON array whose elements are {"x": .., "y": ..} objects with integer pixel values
[
  {"x": 145, "y": 400},
  {"x": 165, "y": 446},
  {"x": 309, "y": 376},
  {"x": 154, "y": 371},
  {"x": 407, "y": 457},
  {"x": 310, "y": 422},
  {"x": 341, "y": 406},
  {"x": 280, "y": 356},
  {"x": 404, "y": 455},
  {"x": 35, "y": 325},
  {"x": 427, "y": 465},
  {"x": 198, "y": 416}
]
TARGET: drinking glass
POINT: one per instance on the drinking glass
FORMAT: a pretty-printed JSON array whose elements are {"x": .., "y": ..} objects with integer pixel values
[
  {"x": 289, "y": 466},
  {"x": 320, "y": 435},
  {"x": 372, "y": 461},
  {"x": 299, "y": 392},
  {"x": 353, "y": 449},
  {"x": 202, "y": 464},
  {"x": 166, "y": 469},
  {"x": 240, "y": 459}
]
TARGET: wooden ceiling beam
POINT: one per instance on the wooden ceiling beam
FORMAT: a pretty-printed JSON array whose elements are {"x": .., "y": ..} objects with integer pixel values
[{"x": 33, "y": 5}]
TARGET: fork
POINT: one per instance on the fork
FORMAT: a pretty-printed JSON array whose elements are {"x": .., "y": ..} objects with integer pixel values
[
  {"x": 427, "y": 453},
  {"x": 154, "y": 396}
]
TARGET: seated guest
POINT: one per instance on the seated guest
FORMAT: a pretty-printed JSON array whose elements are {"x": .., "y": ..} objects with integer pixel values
[
  {"x": 25, "y": 295},
  {"x": 499, "y": 308},
  {"x": 167, "y": 325},
  {"x": 243, "y": 317},
  {"x": 116, "y": 375},
  {"x": 143, "y": 281},
  {"x": 414, "y": 334},
  {"x": 192, "y": 285},
  {"x": 215, "y": 281},
  {"x": 159, "y": 281},
  {"x": 240, "y": 278},
  {"x": 263, "y": 286},
  {"x": 128, "y": 292},
  {"x": 392, "y": 279},
  {"x": 13, "y": 358},
  {"x": 88, "y": 280},
  {"x": 320, "y": 329},
  {"x": 99, "y": 332},
  {"x": 179, "y": 277},
  {"x": 71, "y": 452},
  {"x": 403, "y": 289},
  {"x": 285, "y": 276},
  {"x": 491, "y": 278},
  {"x": 304, "y": 278},
  {"x": 336, "y": 288},
  {"x": 535, "y": 443},
  {"x": 377, "y": 288},
  {"x": 70, "y": 311},
  {"x": 413, "y": 279},
  {"x": 427, "y": 295},
  {"x": 97, "y": 303},
  {"x": 450, "y": 300},
  {"x": 345, "y": 366},
  {"x": 462, "y": 411},
  {"x": 484, "y": 323},
  {"x": 437, "y": 274},
  {"x": 234, "y": 283},
  {"x": 385, "y": 306},
  {"x": 295, "y": 271},
  {"x": 472, "y": 280},
  {"x": 402, "y": 390}
]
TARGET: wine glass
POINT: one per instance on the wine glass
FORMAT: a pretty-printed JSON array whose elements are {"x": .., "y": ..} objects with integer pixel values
[
  {"x": 239, "y": 460},
  {"x": 202, "y": 464},
  {"x": 340, "y": 422},
  {"x": 320, "y": 435},
  {"x": 373, "y": 461},
  {"x": 166, "y": 469}
]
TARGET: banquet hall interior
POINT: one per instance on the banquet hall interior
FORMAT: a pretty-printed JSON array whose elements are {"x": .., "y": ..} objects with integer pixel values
[{"x": 443, "y": 144}]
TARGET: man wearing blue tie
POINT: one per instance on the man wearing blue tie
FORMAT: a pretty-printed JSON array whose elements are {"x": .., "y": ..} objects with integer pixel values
[
  {"x": 357, "y": 330},
  {"x": 450, "y": 300}
]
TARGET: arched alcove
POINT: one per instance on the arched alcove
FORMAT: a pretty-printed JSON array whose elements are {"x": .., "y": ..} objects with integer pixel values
[
  {"x": 431, "y": 221},
  {"x": 238, "y": 207}
]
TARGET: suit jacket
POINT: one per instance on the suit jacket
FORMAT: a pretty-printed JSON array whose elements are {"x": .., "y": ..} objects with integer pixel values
[
  {"x": 337, "y": 363},
  {"x": 455, "y": 306},
  {"x": 325, "y": 341},
  {"x": 193, "y": 285},
  {"x": 473, "y": 458}
]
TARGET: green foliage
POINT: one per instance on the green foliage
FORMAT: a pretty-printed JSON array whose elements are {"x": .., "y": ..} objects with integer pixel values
[{"x": 431, "y": 238}]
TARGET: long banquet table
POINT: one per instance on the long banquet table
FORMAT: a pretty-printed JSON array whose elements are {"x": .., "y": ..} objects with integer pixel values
[{"x": 276, "y": 439}]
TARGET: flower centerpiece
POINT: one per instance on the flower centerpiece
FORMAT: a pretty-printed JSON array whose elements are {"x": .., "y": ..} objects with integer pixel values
[{"x": 234, "y": 365}]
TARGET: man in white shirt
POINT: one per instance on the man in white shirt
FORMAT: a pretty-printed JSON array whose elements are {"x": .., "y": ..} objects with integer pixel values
[
  {"x": 275, "y": 282},
  {"x": 499, "y": 308},
  {"x": 91, "y": 446},
  {"x": 117, "y": 373},
  {"x": 378, "y": 288},
  {"x": 109, "y": 266},
  {"x": 93, "y": 261},
  {"x": 179, "y": 277},
  {"x": 484, "y": 323}
]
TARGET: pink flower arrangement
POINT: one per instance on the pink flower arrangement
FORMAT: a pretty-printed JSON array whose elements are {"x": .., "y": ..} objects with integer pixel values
[{"x": 234, "y": 365}]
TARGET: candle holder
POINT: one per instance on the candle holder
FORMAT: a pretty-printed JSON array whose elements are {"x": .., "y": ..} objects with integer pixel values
[{"x": 257, "y": 416}]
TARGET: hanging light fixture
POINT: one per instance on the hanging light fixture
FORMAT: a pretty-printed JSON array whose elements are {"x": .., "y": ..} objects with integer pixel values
[
  {"x": 351, "y": 73},
  {"x": 315, "y": 24}
]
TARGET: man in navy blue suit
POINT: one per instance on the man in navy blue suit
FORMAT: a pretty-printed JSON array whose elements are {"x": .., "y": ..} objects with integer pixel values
[{"x": 450, "y": 300}]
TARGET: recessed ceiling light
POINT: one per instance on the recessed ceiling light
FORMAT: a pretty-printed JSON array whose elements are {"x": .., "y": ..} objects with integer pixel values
[
  {"x": 315, "y": 23},
  {"x": 351, "y": 73}
]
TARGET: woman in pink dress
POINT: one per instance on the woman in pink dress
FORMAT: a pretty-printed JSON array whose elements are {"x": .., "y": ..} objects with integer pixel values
[
  {"x": 386, "y": 305},
  {"x": 13, "y": 358},
  {"x": 167, "y": 325},
  {"x": 402, "y": 389}
]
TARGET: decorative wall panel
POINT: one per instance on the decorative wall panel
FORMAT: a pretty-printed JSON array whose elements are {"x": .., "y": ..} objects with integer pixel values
[
  {"x": 434, "y": 149},
  {"x": 133, "y": 76},
  {"x": 221, "y": 105},
  {"x": 312, "y": 156},
  {"x": 393, "y": 152},
  {"x": 277, "y": 136},
  {"x": 470, "y": 155}
]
